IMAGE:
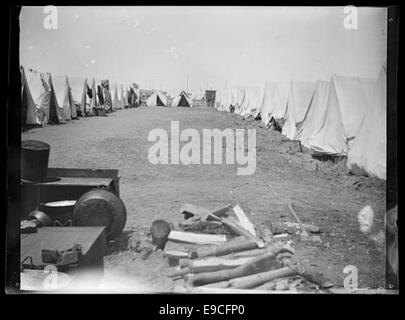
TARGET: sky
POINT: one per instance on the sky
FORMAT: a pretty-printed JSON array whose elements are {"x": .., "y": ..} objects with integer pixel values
[{"x": 175, "y": 48}]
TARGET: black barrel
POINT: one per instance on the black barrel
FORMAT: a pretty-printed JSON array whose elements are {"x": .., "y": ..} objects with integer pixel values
[{"x": 34, "y": 160}]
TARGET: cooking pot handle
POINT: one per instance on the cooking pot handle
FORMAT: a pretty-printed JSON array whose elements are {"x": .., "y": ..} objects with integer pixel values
[{"x": 57, "y": 223}]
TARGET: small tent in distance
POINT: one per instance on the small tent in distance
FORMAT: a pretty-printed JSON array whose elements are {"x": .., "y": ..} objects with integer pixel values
[
  {"x": 62, "y": 98},
  {"x": 157, "y": 99},
  {"x": 183, "y": 100},
  {"x": 36, "y": 97},
  {"x": 78, "y": 91}
]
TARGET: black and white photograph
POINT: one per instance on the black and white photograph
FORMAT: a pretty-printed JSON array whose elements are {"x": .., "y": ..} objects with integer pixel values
[{"x": 203, "y": 149}]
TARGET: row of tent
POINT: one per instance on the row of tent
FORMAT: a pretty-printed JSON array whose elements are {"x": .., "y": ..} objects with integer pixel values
[
  {"x": 158, "y": 98},
  {"x": 56, "y": 99},
  {"x": 345, "y": 116}
]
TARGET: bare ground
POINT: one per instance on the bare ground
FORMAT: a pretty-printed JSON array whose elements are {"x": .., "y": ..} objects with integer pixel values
[{"x": 323, "y": 193}]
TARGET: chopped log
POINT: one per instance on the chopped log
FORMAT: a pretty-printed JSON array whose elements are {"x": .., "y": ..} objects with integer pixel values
[
  {"x": 236, "y": 245},
  {"x": 264, "y": 262},
  {"x": 239, "y": 230},
  {"x": 217, "y": 263},
  {"x": 207, "y": 265},
  {"x": 247, "y": 253},
  {"x": 244, "y": 220},
  {"x": 256, "y": 280},
  {"x": 198, "y": 238},
  {"x": 227, "y": 291},
  {"x": 303, "y": 230},
  {"x": 176, "y": 254},
  {"x": 178, "y": 273},
  {"x": 314, "y": 277},
  {"x": 222, "y": 212}
]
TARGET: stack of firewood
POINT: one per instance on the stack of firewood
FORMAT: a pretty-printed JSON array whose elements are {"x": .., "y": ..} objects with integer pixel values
[{"x": 242, "y": 257}]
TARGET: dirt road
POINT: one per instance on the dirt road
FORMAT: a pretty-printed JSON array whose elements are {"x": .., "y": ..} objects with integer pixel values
[{"x": 323, "y": 194}]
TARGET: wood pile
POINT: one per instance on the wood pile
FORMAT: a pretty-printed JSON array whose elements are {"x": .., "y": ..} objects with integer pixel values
[{"x": 241, "y": 258}]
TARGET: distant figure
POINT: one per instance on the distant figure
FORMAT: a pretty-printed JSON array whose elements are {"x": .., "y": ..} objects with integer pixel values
[
  {"x": 231, "y": 109},
  {"x": 159, "y": 230}
]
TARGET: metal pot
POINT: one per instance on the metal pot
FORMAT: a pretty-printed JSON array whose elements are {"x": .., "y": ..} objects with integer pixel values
[
  {"x": 42, "y": 217},
  {"x": 34, "y": 160},
  {"x": 101, "y": 208}
]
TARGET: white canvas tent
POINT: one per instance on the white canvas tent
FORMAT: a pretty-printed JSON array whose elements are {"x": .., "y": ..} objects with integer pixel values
[
  {"x": 253, "y": 102},
  {"x": 346, "y": 108},
  {"x": 116, "y": 96},
  {"x": 157, "y": 99},
  {"x": 238, "y": 99},
  {"x": 245, "y": 101},
  {"x": 313, "y": 118},
  {"x": 183, "y": 100},
  {"x": 298, "y": 102},
  {"x": 218, "y": 100},
  {"x": 78, "y": 90},
  {"x": 36, "y": 96},
  {"x": 60, "y": 88},
  {"x": 121, "y": 96},
  {"x": 274, "y": 101},
  {"x": 368, "y": 151},
  {"x": 93, "y": 99},
  {"x": 227, "y": 100}
]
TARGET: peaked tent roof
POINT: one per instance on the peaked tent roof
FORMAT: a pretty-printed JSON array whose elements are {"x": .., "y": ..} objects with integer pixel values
[
  {"x": 298, "y": 102},
  {"x": 227, "y": 99},
  {"x": 313, "y": 118},
  {"x": 121, "y": 96},
  {"x": 218, "y": 99},
  {"x": 274, "y": 101},
  {"x": 78, "y": 90},
  {"x": 36, "y": 97},
  {"x": 93, "y": 100},
  {"x": 346, "y": 108},
  {"x": 368, "y": 151},
  {"x": 268, "y": 102},
  {"x": 183, "y": 100},
  {"x": 116, "y": 103},
  {"x": 253, "y": 101},
  {"x": 239, "y": 99},
  {"x": 60, "y": 88},
  {"x": 157, "y": 99}
]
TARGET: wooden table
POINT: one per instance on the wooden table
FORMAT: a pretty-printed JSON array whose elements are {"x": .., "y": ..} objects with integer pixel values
[{"x": 92, "y": 240}]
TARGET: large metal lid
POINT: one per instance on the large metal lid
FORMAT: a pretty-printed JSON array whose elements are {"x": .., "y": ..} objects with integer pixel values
[{"x": 101, "y": 208}]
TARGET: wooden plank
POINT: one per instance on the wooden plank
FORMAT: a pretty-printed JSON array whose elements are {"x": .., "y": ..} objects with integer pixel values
[
  {"x": 198, "y": 238},
  {"x": 58, "y": 238},
  {"x": 244, "y": 220},
  {"x": 239, "y": 230},
  {"x": 234, "y": 245},
  {"x": 78, "y": 181},
  {"x": 83, "y": 173},
  {"x": 87, "y": 173}
]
